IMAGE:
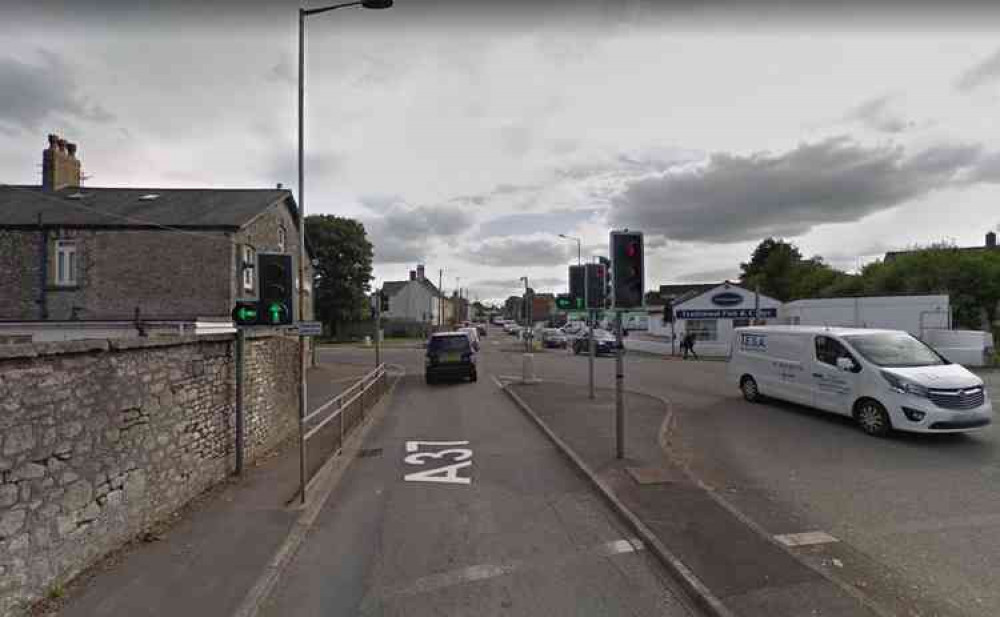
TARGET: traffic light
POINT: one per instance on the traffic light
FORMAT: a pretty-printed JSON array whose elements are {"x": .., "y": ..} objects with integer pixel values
[
  {"x": 628, "y": 269},
  {"x": 596, "y": 279},
  {"x": 564, "y": 302},
  {"x": 245, "y": 313},
  {"x": 604, "y": 261},
  {"x": 383, "y": 299},
  {"x": 576, "y": 281},
  {"x": 276, "y": 289}
]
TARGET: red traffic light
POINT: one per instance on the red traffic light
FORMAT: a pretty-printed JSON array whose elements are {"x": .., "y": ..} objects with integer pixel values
[{"x": 631, "y": 249}]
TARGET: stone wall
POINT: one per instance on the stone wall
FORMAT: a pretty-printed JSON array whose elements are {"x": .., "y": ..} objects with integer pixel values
[
  {"x": 101, "y": 438},
  {"x": 20, "y": 274}
]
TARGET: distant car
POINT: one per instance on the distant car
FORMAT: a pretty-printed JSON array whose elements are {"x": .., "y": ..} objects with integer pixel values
[
  {"x": 553, "y": 338},
  {"x": 604, "y": 343},
  {"x": 450, "y": 355},
  {"x": 481, "y": 329}
]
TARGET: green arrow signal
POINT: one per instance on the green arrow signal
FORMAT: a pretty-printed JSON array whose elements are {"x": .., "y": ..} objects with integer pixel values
[{"x": 276, "y": 309}]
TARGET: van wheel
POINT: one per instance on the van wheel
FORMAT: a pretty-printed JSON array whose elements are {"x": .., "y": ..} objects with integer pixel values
[
  {"x": 750, "y": 391},
  {"x": 873, "y": 418}
]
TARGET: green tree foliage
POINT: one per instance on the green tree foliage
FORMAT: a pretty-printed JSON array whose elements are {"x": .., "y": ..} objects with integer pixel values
[
  {"x": 344, "y": 270},
  {"x": 970, "y": 278},
  {"x": 781, "y": 272}
]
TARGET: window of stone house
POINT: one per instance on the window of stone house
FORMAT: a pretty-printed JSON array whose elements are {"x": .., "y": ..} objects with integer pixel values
[
  {"x": 249, "y": 265},
  {"x": 282, "y": 239},
  {"x": 65, "y": 266}
]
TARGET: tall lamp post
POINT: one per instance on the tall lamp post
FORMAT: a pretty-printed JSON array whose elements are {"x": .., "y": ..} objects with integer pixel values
[
  {"x": 303, "y": 13},
  {"x": 586, "y": 303}
]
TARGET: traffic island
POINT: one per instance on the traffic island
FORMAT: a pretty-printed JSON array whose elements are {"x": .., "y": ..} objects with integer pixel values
[{"x": 724, "y": 563}]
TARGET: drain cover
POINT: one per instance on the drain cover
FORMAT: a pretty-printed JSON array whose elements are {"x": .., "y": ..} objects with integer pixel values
[
  {"x": 650, "y": 475},
  {"x": 369, "y": 452}
]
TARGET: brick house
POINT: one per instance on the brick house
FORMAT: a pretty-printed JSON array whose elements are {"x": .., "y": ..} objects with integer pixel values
[{"x": 78, "y": 254}]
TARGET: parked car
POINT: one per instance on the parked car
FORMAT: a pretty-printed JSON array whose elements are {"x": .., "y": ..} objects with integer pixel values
[
  {"x": 553, "y": 338},
  {"x": 473, "y": 335},
  {"x": 884, "y": 379},
  {"x": 604, "y": 342},
  {"x": 450, "y": 355}
]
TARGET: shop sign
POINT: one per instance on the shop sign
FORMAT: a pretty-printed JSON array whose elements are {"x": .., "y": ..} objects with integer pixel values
[
  {"x": 727, "y": 298},
  {"x": 727, "y": 313}
]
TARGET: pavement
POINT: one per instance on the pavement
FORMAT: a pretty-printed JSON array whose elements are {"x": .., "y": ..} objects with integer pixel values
[
  {"x": 747, "y": 571},
  {"x": 210, "y": 556},
  {"x": 915, "y": 517}
]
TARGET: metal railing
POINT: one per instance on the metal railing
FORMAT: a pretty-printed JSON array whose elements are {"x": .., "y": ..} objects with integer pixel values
[{"x": 328, "y": 425}]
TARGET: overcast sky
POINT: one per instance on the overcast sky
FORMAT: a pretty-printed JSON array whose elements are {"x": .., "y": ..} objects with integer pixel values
[{"x": 467, "y": 136}]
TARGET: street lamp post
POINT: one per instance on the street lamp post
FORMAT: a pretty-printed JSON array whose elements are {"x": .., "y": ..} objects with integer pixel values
[
  {"x": 303, "y": 13},
  {"x": 586, "y": 303}
]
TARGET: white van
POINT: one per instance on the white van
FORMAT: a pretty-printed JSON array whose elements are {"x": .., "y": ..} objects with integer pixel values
[{"x": 885, "y": 379}]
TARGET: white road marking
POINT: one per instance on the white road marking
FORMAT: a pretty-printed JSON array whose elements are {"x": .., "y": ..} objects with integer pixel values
[
  {"x": 805, "y": 539},
  {"x": 444, "y": 474},
  {"x": 485, "y": 571}
]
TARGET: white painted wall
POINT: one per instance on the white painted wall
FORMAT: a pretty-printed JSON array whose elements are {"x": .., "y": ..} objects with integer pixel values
[
  {"x": 414, "y": 302},
  {"x": 914, "y": 314}
]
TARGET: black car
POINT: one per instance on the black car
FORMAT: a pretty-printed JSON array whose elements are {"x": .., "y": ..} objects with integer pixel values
[{"x": 450, "y": 356}]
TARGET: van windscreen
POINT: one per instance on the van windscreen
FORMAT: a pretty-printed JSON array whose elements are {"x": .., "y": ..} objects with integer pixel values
[{"x": 894, "y": 349}]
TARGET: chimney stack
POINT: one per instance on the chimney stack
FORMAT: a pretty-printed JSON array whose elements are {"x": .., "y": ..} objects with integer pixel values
[
  {"x": 60, "y": 167},
  {"x": 413, "y": 275},
  {"x": 991, "y": 240},
  {"x": 420, "y": 272}
]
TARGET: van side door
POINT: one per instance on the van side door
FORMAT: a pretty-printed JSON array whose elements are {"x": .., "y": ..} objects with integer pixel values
[{"x": 833, "y": 388}]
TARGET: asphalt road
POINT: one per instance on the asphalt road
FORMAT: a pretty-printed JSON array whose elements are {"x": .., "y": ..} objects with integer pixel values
[
  {"x": 516, "y": 532},
  {"x": 917, "y": 517}
]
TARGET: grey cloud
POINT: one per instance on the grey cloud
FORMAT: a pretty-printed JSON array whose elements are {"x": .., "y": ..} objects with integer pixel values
[
  {"x": 875, "y": 114},
  {"x": 33, "y": 94},
  {"x": 735, "y": 198},
  {"x": 520, "y": 251},
  {"x": 404, "y": 233},
  {"x": 711, "y": 276},
  {"x": 282, "y": 71},
  {"x": 556, "y": 221},
  {"x": 982, "y": 73}
]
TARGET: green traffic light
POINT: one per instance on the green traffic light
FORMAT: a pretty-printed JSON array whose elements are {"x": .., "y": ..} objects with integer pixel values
[{"x": 275, "y": 310}]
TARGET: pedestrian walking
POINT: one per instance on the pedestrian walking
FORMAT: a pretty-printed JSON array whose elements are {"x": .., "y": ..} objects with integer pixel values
[{"x": 687, "y": 345}]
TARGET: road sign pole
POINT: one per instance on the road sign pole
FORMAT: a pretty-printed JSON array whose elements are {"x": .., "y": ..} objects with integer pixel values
[{"x": 619, "y": 391}]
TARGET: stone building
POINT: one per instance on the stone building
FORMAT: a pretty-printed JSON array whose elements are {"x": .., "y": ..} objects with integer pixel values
[{"x": 72, "y": 255}]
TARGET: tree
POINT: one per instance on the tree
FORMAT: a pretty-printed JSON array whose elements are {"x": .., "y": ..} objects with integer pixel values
[
  {"x": 776, "y": 267},
  {"x": 344, "y": 267}
]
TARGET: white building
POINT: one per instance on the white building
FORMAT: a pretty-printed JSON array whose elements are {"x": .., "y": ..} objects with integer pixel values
[
  {"x": 711, "y": 316},
  {"x": 415, "y": 300}
]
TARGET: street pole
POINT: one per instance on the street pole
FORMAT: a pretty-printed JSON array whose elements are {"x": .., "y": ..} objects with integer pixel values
[
  {"x": 302, "y": 260},
  {"x": 440, "y": 297},
  {"x": 619, "y": 391},
  {"x": 592, "y": 344},
  {"x": 240, "y": 411},
  {"x": 378, "y": 328}
]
